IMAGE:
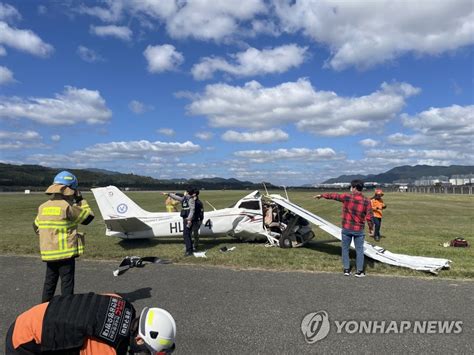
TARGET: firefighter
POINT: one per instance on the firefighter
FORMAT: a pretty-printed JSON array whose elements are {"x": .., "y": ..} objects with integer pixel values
[
  {"x": 377, "y": 206},
  {"x": 56, "y": 224},
  {"x": 91, "y": 324}
]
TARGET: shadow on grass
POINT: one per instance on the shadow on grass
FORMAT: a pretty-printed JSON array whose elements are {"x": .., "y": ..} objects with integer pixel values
[
  {"x": 140, "y": 294},
  {"x": 333, "y": 249}
]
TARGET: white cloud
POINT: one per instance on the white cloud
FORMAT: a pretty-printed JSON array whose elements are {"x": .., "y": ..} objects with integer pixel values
[
  {"x": 167, "y": 131},
  {"x": 120, "y": 32},
  {"x": 204, "y": 20},
  {"x": 162, "y": 58},
  {"x": 114, "y": 9},
  {"x": 407, "y": 140},
  {"x": 139, "y": 107},
  {"x": 268, "y": 136},
  {"x": 89, "y": 55},
  {"x": 205, "y": 136},
  {"x": 42, "y": 9},
  {"x": 6, "y": 76},
  {"x": 55, "y": 137},
  {"x": 318, "y": 112},
  {"x": 20, "y": 140},
  {"x": 306, "y": 154},
  {"x": 142, "y": 150},
  {"x": 24, "y": 40},
  {"x": 70, "y": 107},
  {"x": 421, "y": 156},
  {"x": 369, "y": 143},
  {"x": 361, "y": 34},
  {"x": 215, "y": 20},
  {"x": 252, "y": 62},
  {"x": 24, "y": 135},
  {"x": 447, "y": 127},
  {"x": 8, "y": 13}
]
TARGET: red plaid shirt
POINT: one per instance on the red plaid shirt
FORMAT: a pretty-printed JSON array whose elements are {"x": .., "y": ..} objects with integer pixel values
[{"x": 356, "y": 209}]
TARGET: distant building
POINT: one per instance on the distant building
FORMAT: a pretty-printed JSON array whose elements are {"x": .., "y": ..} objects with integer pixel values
[
  {"x": 462, "y": 179},
  {"x": 403, "y": 188},
  {"x": 431, "y": 180},
  {"x": 335, "y": 185}
]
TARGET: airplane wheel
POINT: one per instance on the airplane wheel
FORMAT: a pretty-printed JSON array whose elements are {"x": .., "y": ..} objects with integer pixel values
[{"x": 285, "y": 242}]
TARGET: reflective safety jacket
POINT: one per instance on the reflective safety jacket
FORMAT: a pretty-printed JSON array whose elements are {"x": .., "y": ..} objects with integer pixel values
[
  {"x": 56, "y": 224},
  {"x": 377, "y": 207},
  {"x": 171, "y": 205}
]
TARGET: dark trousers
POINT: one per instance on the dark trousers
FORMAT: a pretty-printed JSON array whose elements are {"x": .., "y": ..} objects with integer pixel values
[
  {"x": 377, "y": 223},
  {"x": 195, "y": 227},
  {"x": 63, "y": 269},
  {"x": 187, "y": 236}
]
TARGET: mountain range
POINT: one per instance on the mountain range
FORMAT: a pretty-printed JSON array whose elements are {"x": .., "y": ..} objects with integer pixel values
[
  {"x": 36, "y": 177},
  {"x": 407, "y": 173}
]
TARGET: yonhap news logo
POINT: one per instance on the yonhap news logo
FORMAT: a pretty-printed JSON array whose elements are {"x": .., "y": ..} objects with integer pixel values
[{"x": 315, "y": 326}]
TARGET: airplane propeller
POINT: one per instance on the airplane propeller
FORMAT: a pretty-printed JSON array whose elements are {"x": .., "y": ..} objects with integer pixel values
[{"x": 135, "y": 261}]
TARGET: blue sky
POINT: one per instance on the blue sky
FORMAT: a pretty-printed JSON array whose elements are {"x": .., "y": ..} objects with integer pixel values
[{"x": 292, "y": 92}]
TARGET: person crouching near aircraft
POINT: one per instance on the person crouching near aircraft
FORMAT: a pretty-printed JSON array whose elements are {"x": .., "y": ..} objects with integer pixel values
[
  {"x": 377, "y": 206},
  {"x": 188, "y": 207},
  {"x": 356, "y": 209},
  {"x": 91, "y": 324},
  {"x": 56, "y": 224}
]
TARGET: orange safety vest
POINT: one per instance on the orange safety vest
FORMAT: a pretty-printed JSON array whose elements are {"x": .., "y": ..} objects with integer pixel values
[{"x": 377, "y": 207}]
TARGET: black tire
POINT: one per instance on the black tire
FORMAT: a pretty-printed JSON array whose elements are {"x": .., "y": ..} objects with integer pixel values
[{"x": 285, "y": 242}]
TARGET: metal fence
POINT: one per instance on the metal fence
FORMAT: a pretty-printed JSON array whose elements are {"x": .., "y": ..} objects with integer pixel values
[{"x": 461, "y": 190}]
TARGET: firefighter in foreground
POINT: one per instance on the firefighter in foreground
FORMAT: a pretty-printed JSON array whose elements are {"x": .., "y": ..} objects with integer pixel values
[
  {"x": 91, "y": 324},
  {"x": 56, "y": 224}
]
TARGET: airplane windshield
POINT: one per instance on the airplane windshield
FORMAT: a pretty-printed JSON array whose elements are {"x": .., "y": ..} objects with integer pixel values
[{"x": 250, "y": 205}]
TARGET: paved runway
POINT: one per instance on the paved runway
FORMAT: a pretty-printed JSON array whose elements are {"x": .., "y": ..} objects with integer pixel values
[{"x": 223, "y": 311}]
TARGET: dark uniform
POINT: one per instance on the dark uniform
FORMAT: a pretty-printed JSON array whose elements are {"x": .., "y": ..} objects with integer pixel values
[
  {"x": 187, "y": 212},
  {"x": 192, "y": 212},
  {"x": 198, "y": 217}
]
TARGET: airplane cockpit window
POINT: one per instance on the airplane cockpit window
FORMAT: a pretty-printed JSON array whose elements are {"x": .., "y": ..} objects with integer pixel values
[{"x": 250, "y": 205}]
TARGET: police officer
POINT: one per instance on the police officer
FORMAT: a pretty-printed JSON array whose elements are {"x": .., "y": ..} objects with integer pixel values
[
  {"x": 188, "y": 206},
  {"x": 56, "y": 224},
  {"x": 91, "y": 324},
  {"x": 198, "y": 217}
]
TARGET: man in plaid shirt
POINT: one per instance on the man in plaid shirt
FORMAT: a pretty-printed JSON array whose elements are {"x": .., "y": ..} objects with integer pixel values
[{"x": 356, "y": 210}]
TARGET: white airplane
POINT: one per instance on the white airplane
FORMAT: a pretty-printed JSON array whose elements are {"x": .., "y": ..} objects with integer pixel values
[
  {"x": 250, "y": 219},
  {"x": 270, "y": 218}
]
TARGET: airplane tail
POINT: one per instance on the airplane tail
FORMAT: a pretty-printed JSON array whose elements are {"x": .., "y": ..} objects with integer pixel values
[{"x": 113, "y": 203}]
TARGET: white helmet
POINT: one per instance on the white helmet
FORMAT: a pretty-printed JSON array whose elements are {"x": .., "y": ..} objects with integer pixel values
[{"x": 158, "y": 329}]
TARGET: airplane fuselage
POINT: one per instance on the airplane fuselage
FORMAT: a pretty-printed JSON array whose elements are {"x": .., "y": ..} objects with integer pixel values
[{"x": 215, "y": 224}]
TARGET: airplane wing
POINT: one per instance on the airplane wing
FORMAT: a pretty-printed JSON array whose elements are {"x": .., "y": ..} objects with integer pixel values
[{"x": 421, "y": 263}]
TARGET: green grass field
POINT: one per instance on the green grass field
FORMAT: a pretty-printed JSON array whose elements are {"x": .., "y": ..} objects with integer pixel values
[{"x": 413, "y": 224}]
